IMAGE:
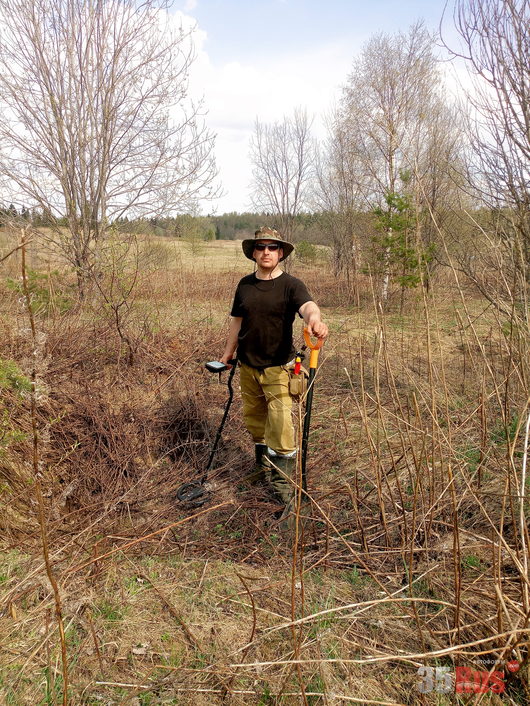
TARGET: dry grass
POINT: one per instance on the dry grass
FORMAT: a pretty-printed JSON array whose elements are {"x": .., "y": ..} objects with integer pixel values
[{"x": 415, "y": 545}]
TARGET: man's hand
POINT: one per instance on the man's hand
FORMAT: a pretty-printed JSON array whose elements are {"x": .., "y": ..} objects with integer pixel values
[
  {"x": 317, "y": 328},
  {"x": 226, "y": 358},
  {"x": 311, "y": 315}
]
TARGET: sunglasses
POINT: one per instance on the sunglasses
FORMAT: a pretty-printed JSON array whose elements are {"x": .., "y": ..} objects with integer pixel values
[{"x": 263, "y": 246}]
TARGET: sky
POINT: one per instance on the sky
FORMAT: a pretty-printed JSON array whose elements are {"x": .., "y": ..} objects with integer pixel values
[{"x": 264, "y": 58}]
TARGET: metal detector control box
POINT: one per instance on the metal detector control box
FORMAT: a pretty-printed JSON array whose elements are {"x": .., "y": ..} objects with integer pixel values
[{"x": 214, "y": 366}]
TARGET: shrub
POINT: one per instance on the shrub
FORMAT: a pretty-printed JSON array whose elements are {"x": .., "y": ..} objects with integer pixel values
[
  {"x": 306, "y": 252},
  {"x": 12, "y": 378},
  {"x": 42, "y": 292}
]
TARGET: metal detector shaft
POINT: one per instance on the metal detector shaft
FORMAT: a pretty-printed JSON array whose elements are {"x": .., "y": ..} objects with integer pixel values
[
  {"x": 223, "y": 420},
  {"x": 195, "y": 493},
  {"x": 313, "y": 362}
]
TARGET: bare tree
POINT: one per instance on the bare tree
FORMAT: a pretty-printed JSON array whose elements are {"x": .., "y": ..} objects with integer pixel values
[
  {"x": 395, "y": 133},
  {"x": 495, "y": 44},
  {"x": 95, "y": 118},
  {"x": 282, "y": 157},
  {"x": 338, "y": 199}
]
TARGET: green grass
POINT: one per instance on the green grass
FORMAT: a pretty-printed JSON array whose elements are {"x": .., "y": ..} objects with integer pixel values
[
  {"x": 135, "y": 585},
  {"x": 502, "y": 433},
  {"x": 471, "y": 457},
  {"x": 316, "y": 684},
  {"x": 53, "y": 688},
  {"x": 109, "y": 611},
  {"x": 266, "y": 698},
  {"x": 357, "y": 578}
]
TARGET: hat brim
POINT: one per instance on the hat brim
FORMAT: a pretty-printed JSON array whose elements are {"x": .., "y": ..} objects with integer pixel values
[{"x": 249, "y": 245}]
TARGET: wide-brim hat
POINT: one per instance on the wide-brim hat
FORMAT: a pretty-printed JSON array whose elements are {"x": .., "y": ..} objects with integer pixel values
[{"x": 265, "y": 233}]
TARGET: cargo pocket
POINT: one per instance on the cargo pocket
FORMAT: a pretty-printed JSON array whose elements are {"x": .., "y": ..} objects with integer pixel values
[{"x": 297, "y": 382}]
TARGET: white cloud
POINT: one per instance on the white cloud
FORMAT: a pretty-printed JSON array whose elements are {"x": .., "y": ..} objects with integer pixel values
[
  {"x": 236, "y": 93},
  {"x": 267, "y": 87}
]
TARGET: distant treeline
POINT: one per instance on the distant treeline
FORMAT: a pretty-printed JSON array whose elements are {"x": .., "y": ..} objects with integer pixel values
[{"x": 228, "y": 226}]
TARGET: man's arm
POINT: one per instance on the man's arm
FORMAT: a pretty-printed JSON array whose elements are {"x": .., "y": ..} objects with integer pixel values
[
  {"x": 311, "y": 315},
  {"x": 231, "y": 343}
]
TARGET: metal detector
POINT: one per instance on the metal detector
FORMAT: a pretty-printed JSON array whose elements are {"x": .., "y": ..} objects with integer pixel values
[{"x": 195, "y": 493}]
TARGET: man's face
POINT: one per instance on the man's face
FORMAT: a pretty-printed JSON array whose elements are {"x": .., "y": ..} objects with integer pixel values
[{"x": 266, "y": 257}]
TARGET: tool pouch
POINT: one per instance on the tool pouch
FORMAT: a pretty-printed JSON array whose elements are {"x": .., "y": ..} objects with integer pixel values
[{"x": 297, "y": 382}]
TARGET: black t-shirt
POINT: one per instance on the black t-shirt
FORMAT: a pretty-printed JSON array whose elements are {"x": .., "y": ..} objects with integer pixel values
[{"x": 268, "y": 308}]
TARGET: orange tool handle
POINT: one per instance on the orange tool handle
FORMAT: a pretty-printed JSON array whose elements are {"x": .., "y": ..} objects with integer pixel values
[{"x": 313, "y": 347}]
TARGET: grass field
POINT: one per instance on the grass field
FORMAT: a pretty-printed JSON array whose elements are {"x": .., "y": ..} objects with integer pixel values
[{"x": 412, "y": 553}]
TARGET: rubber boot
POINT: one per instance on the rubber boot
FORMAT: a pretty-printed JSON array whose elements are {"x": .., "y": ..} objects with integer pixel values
[
  {"x": 259, "y": 473},
  {"x": 283, "y": 472}
]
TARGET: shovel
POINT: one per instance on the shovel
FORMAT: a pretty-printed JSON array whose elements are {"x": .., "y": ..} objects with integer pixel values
[{"x": 313, "y": 362}]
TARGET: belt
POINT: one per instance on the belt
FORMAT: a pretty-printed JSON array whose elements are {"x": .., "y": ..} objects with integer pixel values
[{"x": 262, "y": 368}]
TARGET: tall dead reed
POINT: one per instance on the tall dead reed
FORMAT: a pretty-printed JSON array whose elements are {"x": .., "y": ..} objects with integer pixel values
[{"x": 36, "y": 368}]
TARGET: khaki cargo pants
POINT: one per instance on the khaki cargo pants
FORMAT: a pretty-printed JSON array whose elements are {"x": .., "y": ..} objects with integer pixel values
[{"x": 267, "y": 407}]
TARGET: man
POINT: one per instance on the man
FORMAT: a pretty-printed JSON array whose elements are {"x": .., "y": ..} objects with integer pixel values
[{"x": 261, "y": 329}]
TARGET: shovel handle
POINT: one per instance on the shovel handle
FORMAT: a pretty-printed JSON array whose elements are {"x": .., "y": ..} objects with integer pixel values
[{"x": 313, "y": 347}]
